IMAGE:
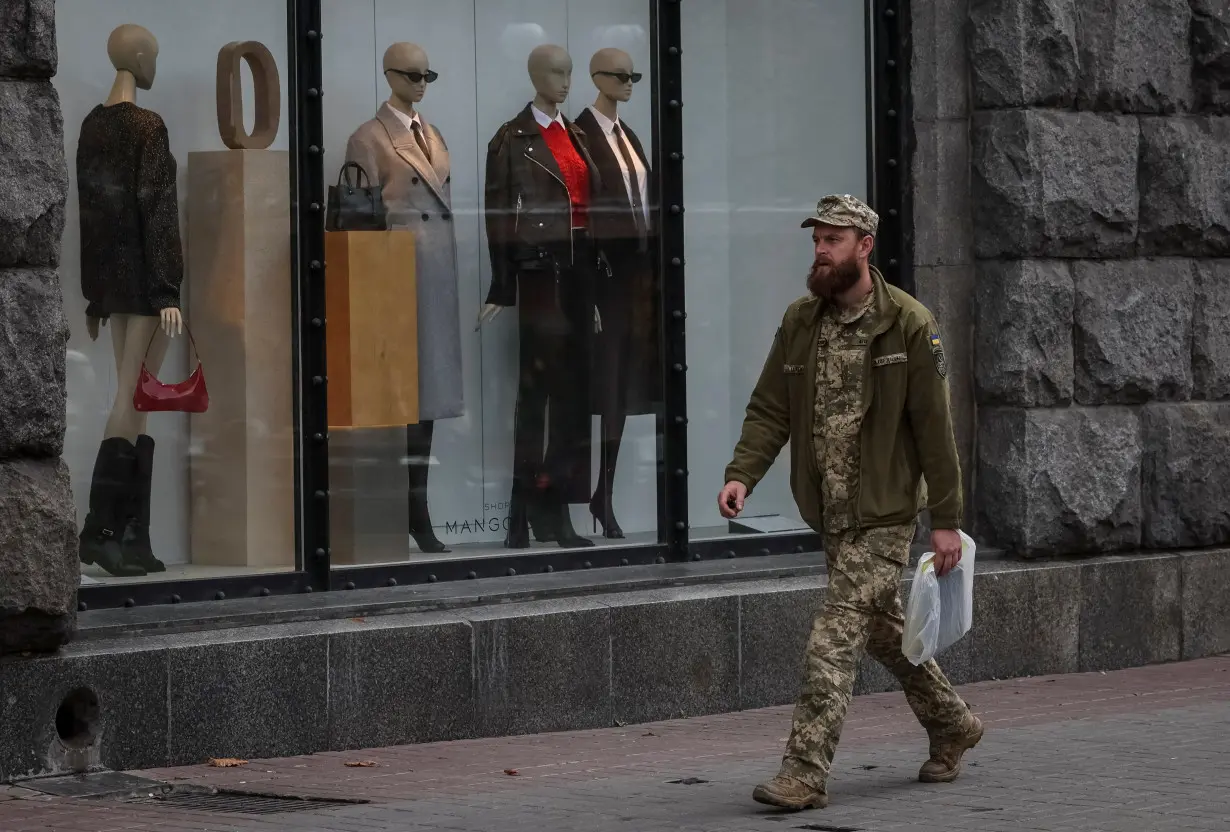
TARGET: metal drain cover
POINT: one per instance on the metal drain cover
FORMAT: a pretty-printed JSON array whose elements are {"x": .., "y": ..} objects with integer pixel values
[
  {"x": 95, "y": 784},
  {"x": 230, "y": 801}
]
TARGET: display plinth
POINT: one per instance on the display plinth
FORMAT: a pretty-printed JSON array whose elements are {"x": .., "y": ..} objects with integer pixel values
[
  {"x": 238, "y": 291},
  {"x": 372, "y": 332}
]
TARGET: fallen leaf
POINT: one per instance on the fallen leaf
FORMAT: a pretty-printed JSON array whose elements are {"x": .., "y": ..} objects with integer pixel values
[
  {"x": 226, "y": 762},
  {"x": 512, "y": 772},
  {"x": 359, "y": 620},
  {"x": 362, "y": 764},
  {"x": 651, "y": 734}
]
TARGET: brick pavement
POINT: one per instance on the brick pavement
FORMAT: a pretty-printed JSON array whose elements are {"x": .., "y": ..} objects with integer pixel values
[{"x": 1143, "y": 749}]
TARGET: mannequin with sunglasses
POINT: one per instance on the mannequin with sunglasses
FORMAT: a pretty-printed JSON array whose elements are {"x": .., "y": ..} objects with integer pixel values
[
  {"x": 540, "y": 184},
  {"x": 131, "y": 271},
  {"x": 625, "y": 351},
  {"x": 407, "y": 157}
]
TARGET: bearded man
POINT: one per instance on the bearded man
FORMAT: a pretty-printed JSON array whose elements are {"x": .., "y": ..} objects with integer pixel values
[{"x": 857, "y": 381}]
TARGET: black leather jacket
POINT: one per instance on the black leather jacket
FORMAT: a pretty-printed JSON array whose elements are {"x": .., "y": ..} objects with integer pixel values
[{"x": 527, "y": 209}]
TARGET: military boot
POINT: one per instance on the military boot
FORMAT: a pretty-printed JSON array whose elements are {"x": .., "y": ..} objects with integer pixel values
[
  {"x": 790, "y": 793},
  {"x": 945, "y": 763}
]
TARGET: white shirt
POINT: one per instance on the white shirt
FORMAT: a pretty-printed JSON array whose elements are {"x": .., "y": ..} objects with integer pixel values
[
  {"x": 642, "y": 175},
  {"x": 544, "y": 120},
  {"x": 408, "y": 121}
]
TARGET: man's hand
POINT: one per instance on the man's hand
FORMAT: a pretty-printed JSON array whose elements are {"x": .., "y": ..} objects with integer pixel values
[
  {"x": 730, "y": 500},
  {"x": 946, "y": 544}
]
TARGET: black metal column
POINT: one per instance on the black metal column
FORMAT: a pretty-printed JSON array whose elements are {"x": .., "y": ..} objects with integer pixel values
[
  {"x": 308, "y": 263},
  {"x": 891, "y": 138},
  {"x": 666, "y": 27}
]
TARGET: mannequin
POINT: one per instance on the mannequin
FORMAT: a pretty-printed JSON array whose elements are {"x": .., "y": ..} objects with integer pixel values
[
  {"x": 540, "y": 185},
  {"x": 132, "y": 268},
  {"x": 408, "y": 158},
  {"x": 623, "y": 224}
]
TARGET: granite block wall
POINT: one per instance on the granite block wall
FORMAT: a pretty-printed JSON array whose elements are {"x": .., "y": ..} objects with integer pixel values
[
  {"x": 38, "y": 555},
  {"x": 1099, "y": 147}
]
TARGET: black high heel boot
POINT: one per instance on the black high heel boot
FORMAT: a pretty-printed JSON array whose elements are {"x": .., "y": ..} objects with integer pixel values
[
  {"x": 104, "y": 525},
  {"x": 566, "y": 535},
  {"x": 518, "y": 536},
  {"x": 418, "y": 452},
  {"x": 600, "y": 506},
  {"x": 135, "y": 542}
]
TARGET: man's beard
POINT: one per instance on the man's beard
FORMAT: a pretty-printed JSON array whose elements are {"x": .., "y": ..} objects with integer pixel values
[{"x": 827, "y": 281}]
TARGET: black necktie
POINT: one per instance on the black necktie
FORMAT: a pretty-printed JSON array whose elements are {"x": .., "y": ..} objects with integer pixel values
[
  {"x": 418, "y": 137},
  {"x": 638, "y": 208}
]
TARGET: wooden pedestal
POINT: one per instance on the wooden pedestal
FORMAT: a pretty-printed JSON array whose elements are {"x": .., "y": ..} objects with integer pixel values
[
  {"x": 238, "y": 292},
  {"x": 372, "y": 331}
]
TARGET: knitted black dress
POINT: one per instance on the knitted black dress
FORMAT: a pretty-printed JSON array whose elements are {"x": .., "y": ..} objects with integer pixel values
[{"x": 131, "y": 259}]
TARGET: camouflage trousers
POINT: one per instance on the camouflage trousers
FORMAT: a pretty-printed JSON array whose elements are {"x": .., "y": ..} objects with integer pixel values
[{"x": 862, "y": 608}]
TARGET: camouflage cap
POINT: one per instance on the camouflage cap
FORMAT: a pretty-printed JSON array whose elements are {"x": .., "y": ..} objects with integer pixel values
[{"x": 844, "y": 210}]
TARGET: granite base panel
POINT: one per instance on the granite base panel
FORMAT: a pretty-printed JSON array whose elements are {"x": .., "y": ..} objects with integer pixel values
[{"x": 560, "y": 664}]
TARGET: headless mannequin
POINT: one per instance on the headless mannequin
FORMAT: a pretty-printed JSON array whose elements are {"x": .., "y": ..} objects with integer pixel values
[
  {"x": 403, "y": 95},
  {"x": 612, "y": 400},
  {"x": 133, "y": 51},
  {"x": 120, "y": 487}
]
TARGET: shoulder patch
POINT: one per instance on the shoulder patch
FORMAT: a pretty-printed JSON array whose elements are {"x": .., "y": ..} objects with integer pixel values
[{"x": 937, "y": 354}]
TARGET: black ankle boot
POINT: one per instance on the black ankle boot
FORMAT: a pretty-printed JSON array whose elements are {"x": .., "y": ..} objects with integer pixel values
[
  {"x": 104, "y": 525},
  {"x": 135, "y": 542},
  {"x": 518, "y": 536}
]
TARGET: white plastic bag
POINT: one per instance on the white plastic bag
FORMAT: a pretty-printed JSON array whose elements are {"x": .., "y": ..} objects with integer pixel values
[{"x": 941, "y": 610}]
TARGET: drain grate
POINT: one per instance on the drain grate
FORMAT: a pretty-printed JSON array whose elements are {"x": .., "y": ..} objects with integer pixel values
[{"x": 238, "y": 803}]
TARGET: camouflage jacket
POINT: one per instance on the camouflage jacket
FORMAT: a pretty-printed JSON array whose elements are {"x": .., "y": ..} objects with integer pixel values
[{"x": 906, "y": 439}]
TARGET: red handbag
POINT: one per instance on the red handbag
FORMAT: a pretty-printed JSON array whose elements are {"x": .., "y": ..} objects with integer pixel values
[{"x": 188, "y": 396}]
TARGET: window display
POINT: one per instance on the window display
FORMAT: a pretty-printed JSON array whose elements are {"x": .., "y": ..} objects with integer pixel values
[
  {"x": 175, "y": 235},
  {"x": 530, "y": 215}
]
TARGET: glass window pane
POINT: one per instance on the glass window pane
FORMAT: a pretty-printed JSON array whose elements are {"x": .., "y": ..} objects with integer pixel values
[
  {"x": 166, "y": 222},
  {"x": 451, "y": 437},
  {"x": 776, "y": 117}
]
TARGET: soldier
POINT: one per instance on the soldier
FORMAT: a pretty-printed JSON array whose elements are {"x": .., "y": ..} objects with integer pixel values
[{"x": 856, "y": 380}]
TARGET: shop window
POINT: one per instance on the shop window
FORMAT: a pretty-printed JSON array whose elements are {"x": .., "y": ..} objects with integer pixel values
[
  {"x": 776, "y": 117},
  {"x": 492, "y": 288},
  {"x": 177, "y": 246}
]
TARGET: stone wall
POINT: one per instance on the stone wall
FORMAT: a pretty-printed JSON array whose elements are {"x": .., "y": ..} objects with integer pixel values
[
  {"x": 1100, "y": 184},
  {"x": 38, "y": 560},
  {"x": 943, "y": 216}
]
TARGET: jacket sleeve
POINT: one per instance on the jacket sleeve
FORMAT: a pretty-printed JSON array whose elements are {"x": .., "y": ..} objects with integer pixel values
[
  {"x": 500, "y": 213},
  {"x": 930, "y": 413},
  {"x": 158, "y": 205},
  {"x": 766, "y": 426}
]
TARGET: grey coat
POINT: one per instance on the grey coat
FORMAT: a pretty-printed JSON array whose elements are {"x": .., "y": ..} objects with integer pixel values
[{"x": 417, "y": 196}]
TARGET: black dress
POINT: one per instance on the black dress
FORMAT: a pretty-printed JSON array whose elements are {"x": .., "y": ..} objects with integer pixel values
[{"x": 131, "y": 258}]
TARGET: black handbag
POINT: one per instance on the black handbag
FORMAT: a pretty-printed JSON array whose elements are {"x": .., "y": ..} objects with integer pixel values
[{"x": 355, "y": 207}]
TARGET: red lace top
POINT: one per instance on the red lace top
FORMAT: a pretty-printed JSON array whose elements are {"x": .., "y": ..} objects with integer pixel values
[{"x": 574, "y": 169}]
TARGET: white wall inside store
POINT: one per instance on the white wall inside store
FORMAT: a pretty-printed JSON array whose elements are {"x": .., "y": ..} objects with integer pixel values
[{"x": 775, "y": 117}]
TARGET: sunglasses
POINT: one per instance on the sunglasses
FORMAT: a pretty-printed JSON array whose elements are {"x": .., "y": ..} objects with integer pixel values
[
  {"x": 623, "y": 77},
  {"x": 417, "y": 77}
]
